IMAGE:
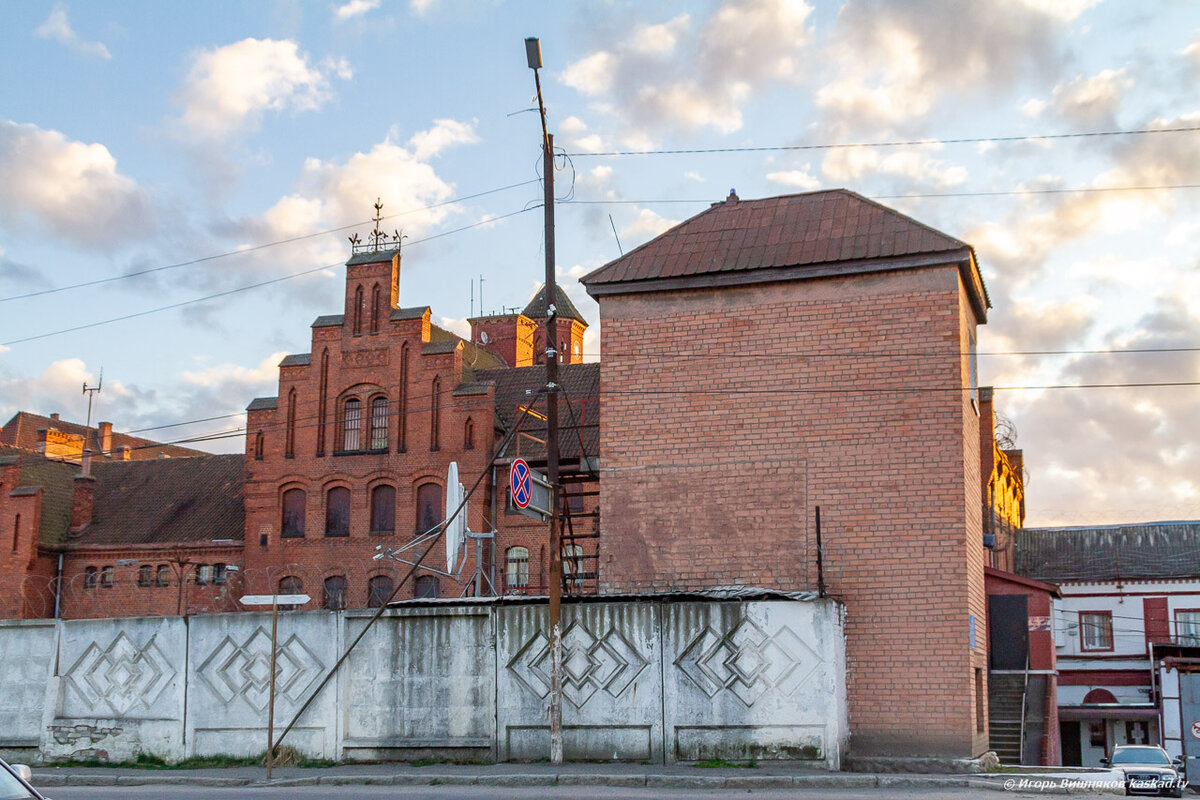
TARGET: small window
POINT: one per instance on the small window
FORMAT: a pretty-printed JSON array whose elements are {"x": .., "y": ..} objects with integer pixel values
[
  {"x": 292, "y": 521},
  {"x": 163, "y": 575},
  {"x": 106, "y": 577},
  {"x": 89, "y": 578},
  {"x": 429, "y": 507},
  {"x": 289, "y": 450},
  {"x": 358, "y": 309},
  {"x": 1187, "y": 627},
  {"x": 426, "y": 586},
  {"x": 337, "y": 512},
  {"x": 219, "y": 574},
  {"x": 383, "y": 510},
  {"x": 980, "y": 727},
  {"x": 335, "y": 593},
  {"x": 517, "y": 567},
  {"x": 469, "y": 435},
  {"x": 204, "y": 574},
  {"x": 375, "y": 309},
  {"x": 352, "y": 425},
  {"x": 379, "y": 590},
  {"x": 290, "y": 585},
  {"x": 16, "y": 532},
  {"x": 258, "y": 446},
  {"x": 1096, "y": 632},
  {"x": 379, "y": 423},
  {"x": 145, "y": 575},
  {"x": 435, "y": 411}
]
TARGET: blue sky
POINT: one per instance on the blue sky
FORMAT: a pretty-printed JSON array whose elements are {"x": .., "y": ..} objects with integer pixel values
[{"x": 135, "y": 136}]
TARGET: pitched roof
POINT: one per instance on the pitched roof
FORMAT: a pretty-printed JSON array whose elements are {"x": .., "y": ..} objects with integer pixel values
[
  {"x": 22, "y": 431},
  {"x": 56, "y": 479},
  {"x": 1150, "y": 551},
  {"x": 329, "y": 321},
  {"x": 565, "y": 309},
  {"x": 474, "y": 358},
  {"x": 791, "y": 237},
  {"x": 296, "y": 360},
  {"x": 167, "y": 501},
  {"x": 580, "y": 417}
]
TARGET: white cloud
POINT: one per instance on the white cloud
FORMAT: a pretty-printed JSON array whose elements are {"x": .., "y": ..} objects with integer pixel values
[
  {"x": 695, "y": 176},
  {"x": 799, "y": 178},
  {"x": 58, "y": 27},
  {"x": 228, "y": 88},
  {"x": 444, "y": 133},
  {"x": 647, "y": 224},
  {"x": 916, "y": 164},
  {"x": 67, "y": 187},
  {"x": 459, "y": 327},
  {"x": 224, "y": 375},
  {"x": 592, "y": 74},
  {"x": 421, "y": 7},
  {"x": 354, "y": 8},
  {"x": 1033, "y": 107},
  {"x": 1065, "y": 10},
  {"x": 659, "y": 40},
  {"x": 1092, "y": 99}
]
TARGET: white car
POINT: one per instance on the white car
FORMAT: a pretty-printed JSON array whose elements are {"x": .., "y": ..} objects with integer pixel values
[{"x": 14, "y": 783}]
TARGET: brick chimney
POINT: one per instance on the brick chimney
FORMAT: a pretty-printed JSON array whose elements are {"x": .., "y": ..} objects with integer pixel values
[
  {"x": 84, "y": 498},
  {"x": 105, "y": 438}
]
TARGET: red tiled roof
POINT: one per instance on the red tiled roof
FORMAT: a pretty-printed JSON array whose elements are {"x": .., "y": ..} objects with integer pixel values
[
  {"x": 22, "y": 431},
  {"x": 750, "y": 241}
]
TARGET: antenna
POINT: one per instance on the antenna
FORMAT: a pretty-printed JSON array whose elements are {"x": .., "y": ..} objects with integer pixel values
[
  {"x": 618, "y": 238},
  {"x": 91, "y": 392},
  {"x": 481, "y": 296},
  {"x": 472, "y": 298}
]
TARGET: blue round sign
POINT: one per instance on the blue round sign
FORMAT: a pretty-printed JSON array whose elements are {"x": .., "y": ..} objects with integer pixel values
[{"x": 521, "y": 483}]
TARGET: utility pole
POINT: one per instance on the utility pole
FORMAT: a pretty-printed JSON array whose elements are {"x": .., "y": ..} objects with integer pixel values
[{"x": 533, "y": 54}]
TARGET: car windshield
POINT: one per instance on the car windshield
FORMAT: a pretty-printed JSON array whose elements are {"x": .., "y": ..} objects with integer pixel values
[
  {"x": 11, "y": 788},
  {"x": 1141, "y": 755}
]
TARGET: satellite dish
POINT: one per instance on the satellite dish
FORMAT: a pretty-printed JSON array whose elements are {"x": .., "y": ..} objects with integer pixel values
[
  {"x": 484, "y": 338},
  {"x": 456, "y": 531}
]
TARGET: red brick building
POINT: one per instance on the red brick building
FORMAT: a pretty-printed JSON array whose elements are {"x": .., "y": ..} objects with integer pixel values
[{"x": 769, "y": 357}]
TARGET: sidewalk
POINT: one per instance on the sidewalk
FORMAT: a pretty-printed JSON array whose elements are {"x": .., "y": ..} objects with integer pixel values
[{"x": 622, "y": 775}]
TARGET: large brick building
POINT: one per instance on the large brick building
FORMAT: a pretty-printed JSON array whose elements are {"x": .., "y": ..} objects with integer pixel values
[{"x": 769, "y": 357}]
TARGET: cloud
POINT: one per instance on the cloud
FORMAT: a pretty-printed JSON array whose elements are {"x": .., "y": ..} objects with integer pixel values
[
  {"x": 444, "y": 133},
  {"x": 894, "y": 62},
  {"x": 69, "y": 188},
  {"x": 1094, "y": 99},
  {"x": 647, "y": 224},
  {"x": 58, "y": 28},
  {"x": 421, "y": 7},
  {"x": 354, "y": 8},
  {"x": 798, "y": 178},
  {"x": 684, "y": 76},
  {"x": 228, "y": 88},
  {"x": 917, "y": 164},
  {"x": 21, "y": 275}
]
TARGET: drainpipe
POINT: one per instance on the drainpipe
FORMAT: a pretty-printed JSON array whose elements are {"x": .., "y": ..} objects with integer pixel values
[{"x": 58, "y": 586}]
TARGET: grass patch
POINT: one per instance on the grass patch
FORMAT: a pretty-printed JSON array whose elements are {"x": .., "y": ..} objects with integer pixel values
[
  {"x": 284, "y": 757},
  {"x": 720, "y": 763}
]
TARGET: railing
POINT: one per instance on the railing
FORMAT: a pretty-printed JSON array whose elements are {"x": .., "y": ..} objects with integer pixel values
[{"x": 1024, "y": 702}]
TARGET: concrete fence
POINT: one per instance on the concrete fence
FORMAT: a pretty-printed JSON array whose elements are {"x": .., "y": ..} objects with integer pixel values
[{"x": 644, "y": 680}]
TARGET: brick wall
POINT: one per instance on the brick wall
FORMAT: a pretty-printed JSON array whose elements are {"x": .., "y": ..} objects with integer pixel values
[{"x": 731, "y": 413}]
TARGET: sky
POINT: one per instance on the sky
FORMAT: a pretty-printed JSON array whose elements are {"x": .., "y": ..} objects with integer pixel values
[{"x": 155, "y": 154}]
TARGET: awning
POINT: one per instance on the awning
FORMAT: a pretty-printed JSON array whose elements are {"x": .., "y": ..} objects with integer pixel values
[{"x": 1107, "y": 712}]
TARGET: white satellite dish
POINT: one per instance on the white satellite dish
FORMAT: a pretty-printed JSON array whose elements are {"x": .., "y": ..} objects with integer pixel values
[
  {"x": 484, "y": 338},
  {"x": 456, "y": 530}
]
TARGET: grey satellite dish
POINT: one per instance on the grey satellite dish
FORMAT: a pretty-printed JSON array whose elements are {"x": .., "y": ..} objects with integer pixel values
[{"x": 484, "y": 338}]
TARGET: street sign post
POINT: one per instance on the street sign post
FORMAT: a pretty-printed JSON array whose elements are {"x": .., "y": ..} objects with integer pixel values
[
  {"x": 529, "y": 491},
  {"x": 274, "y": 601}
]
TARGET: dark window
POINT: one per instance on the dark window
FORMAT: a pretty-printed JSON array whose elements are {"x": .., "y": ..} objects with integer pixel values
[
  {"x": 427, "y": 586},
  {"x": 163, "y": 575},
  {"x": 337, "y": 512},
  {"x": 292, "y": 521},
  {"x": 383, "y": 509},
  {"x": 434, "y": 412},
  {"x": 379, "y": 423},
  {"x": 290, "y": 585},
  {"x": 219, "y": 574},
  {"x": 324, "y": 392},
  {"x": 379, "y": 590},
  {"x": 106, "y": 577},
  {"x": 429, "y": 507},
  {"x": 979, "y": 715},
  {"x": 145, "y": 575},
  {"x": 335, "y": 593},
  {"x": 258, "y": 446},
  {"x": 290, "y": 449},
  {"x": 402, "y": 402},
  {"x": 89, "y": 578},
  {"x": 469, "y": 435},
  {"x": 16, "y": 532},
  {"x": 352, "y": 425},
  {"x": 357, "y": 312},
  {"x": 375, "y": 309},
  {"x": 517, "y": 567}
]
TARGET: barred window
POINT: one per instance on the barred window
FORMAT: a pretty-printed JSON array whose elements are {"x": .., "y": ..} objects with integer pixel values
[
  {"x": 429, "y": 507},
  {"x": 335, "y": 593},
  {"x": 89, "y": 578},
  {"x": 352, "y": 425},
  {"x": 145, "y": 575},
  {"x": 379, "y": 590},
  {"x": 337, "y": 512},
  {"x": 517, "y": 563},
  {"x": 427, "y": 586},
  {"x": 106, "y": 577},
  {"x": 379, "y": 423},
  {"x": 163, "y": 575},
  {"x": 383, "y": 510}
]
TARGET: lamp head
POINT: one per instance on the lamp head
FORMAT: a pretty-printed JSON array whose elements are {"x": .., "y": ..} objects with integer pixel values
[{"x": 533, "y": 52}]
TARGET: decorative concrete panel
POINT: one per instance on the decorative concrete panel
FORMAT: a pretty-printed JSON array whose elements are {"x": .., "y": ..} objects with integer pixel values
[
  {"x": 28, "y": 656},
  {"x": 229, "y": 680},
  {"x": 612, "y": 670},
  {"x": 121, "y": 687},
  {"x": 761, "y": 680},
  {"x": 422, "y": 683}
]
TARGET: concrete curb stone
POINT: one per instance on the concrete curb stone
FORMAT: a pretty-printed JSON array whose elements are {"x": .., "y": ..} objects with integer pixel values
[
  {"x": 685, "y": 781},
  {"x": 600, "y": 779}
]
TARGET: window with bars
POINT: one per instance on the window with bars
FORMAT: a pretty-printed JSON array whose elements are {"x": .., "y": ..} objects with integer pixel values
[
  {"x": 379, "y": 590},
  {"x": 352, "y": 425},
  {"x": 145, "y": 575},
  {"x": 379, "y": 423},
  {"x": 516, "y": 572},
  {"x": 426, "y": 586},
  {"x": 89, "y": 578},
  {"x": 383, "y": 510},
  {"x": 162, "y": 575},
  {"x": 106, "y": 577},
  {"x": 335, "y": 593}
]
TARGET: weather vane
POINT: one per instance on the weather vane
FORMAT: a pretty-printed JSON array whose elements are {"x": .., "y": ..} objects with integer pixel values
[{"x": 377, "y": 239}]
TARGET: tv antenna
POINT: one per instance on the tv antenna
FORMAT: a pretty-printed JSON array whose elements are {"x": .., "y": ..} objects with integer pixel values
[{"x": 91, "y": 392}]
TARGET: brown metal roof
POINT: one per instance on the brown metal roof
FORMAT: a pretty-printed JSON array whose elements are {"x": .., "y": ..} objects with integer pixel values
[
  {"x": 828, "y": 232},
  {"x": 1149, "y": 551},
  {"x": 166, "y": 501},
  {"x": 578, "y": 408}
]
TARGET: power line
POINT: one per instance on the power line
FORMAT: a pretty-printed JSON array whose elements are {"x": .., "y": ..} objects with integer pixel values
[
  {"x": 246, "y": 288},
  {"x": 901, "y": 353},
  {"x": 257, "y": 247},
  {"x": 909, "y": 143}
]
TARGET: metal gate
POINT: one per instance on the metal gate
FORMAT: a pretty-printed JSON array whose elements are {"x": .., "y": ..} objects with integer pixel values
[{"x": 1189, "y": 713}]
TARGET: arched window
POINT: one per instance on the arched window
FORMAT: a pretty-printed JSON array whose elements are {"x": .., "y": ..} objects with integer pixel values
[
  {"x": 426, "y": 586},
  {"x": 352, "y": 425},
  {"x": 516, "y": 573},
  {"x": 379, "y": 423},
  {"x": 258, "y": 446},
  {"x": 335, "y": 593},
  {"x": 357, "y": 312},
  {"x": 162, "y": 576},
  {"x": 435, "y": 402},
  {"x": 469, "y": 435},
  {"x": 321, "y": 403},
  {"x": 145, "y": 575},
  {"x": 379, "y": 590},
  {"x": 290, "y": 450},
  {"x": 337, "y": 512},
  {"x": 291, "y": 520},
  {"x": 106, "y": 577},
  {"x": 89, "y": 578},
  {"x": 375, "y": 309},
  {"x": 429, "y": 507},
  {"x": 383, "y": 510},
  {"x": 402, "y": 402},
  {"x": 290, "y": 585}
]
